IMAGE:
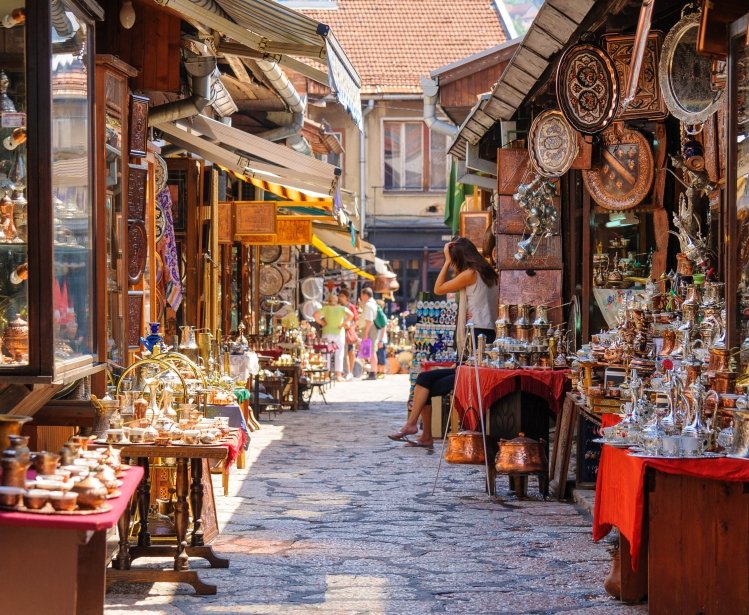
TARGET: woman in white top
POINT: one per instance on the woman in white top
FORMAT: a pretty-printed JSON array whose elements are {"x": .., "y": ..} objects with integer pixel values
[{"x": 478, "y": 281}]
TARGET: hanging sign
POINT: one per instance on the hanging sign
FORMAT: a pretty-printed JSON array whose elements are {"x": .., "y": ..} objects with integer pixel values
[{"x": 254, "y": 217}]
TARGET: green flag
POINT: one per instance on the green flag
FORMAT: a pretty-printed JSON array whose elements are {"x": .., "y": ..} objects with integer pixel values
[{"x": 454, "y": 199}]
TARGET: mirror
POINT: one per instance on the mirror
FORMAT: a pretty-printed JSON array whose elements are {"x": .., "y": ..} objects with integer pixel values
[{"x": 685, "y": 75}]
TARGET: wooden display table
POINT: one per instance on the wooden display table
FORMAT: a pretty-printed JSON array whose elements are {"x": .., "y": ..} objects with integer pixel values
[
  {"x": 684, "y": 528},
  {"x": 57, "y": 563},
  {"x": 196, "y": 457}
]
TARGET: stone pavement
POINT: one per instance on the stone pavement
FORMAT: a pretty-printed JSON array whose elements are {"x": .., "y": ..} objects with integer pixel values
[{"x": 332, "y": 517}]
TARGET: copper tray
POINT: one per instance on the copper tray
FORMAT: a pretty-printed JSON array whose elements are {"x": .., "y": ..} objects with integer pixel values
[
  {"x": 552, "y": 143},
  {"x": 624, "y": 176},
  {"x": 271, "y": 280},
  {"x": 270, "y": 254},
  {"x": 48, "y": 510},
  {"x": 648, "y": 101},
  {"x": 587, "y": 88},
  {"x": 137, "y": 251}
]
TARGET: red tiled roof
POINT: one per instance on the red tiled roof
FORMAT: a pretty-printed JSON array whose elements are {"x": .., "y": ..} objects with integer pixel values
[{"x": 392, "y": 42}]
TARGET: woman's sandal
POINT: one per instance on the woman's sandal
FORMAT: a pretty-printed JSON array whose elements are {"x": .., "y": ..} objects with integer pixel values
[
  {"x": 400, "y": 436},
  {"x": 418, "y": 443}
]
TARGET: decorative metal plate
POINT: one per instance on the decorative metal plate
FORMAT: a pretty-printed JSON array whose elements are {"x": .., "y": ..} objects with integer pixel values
[
  {"x": 161, "y": 172},
  {"x": 625, "y": 174},
  {"x": 271, "y": 280},
  {"x": 137, "y": 251},
  {"x": 552, "y": 143},
  {"x": 269, "y": 254},
  {"x": 160, "y": 223},
  {"x": 312, "y": 288},
  {"x": 587, "y": 88},
  {"x": 685, "y": 75},
  {"x": 648, "y": 101}
]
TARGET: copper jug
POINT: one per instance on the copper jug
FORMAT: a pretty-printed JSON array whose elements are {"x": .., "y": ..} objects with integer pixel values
[{"x": 522, "y": 455}]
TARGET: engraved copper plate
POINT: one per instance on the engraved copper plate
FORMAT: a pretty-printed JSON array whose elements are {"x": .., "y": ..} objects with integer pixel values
[
  {"x": 271, "y": 280},
  {"x": 138, "y": 125},
  {"x": 552, "y": 144},
  {"x": 137, "y": 250},
  {"x": 134, "y": 318},
  {"x": 587, "y": 88},
  {"x": 648, "y": 101},
  {"x": 269, "y": 254},
  {"x": 624, "y": 175},
  {"x": 136, "y": 192}
]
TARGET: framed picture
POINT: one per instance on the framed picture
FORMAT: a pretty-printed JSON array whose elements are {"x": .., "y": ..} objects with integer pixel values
[
  {"x": 473, "y": 225},
  {"x": 138, "y": 125}
]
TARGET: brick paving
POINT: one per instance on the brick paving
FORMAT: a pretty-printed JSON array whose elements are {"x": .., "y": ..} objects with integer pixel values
[{"x": 332, "y": 517}]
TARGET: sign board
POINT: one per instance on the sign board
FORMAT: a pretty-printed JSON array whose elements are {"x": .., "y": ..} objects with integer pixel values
[
  {"x": 289, "y": 232},
  {"x": 254, "y": 217}
]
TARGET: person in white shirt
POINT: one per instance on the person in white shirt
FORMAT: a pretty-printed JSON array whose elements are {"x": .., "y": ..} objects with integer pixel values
[{"x": 370, "y": 330}]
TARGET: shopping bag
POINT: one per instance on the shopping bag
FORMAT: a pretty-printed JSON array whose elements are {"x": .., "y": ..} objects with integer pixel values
[{"x": 365, "y": 350}]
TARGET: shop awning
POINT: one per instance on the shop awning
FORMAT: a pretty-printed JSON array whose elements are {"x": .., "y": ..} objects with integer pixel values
[
  {"x": 243, "y": 153},
  {"x": 277, "y": 33},
  {"x": 346, "y": 242},
  {"x": 323, "y": 248}
]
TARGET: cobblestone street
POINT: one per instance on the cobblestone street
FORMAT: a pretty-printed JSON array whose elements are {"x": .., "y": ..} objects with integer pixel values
[{"x": 332, "y": 517}]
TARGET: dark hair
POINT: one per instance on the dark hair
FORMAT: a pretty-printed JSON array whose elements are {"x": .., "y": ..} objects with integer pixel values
[
  {"x": 344, "y": 292},
  {"x": 464, "y": 255},
  {"x": 367, "y": 291}
]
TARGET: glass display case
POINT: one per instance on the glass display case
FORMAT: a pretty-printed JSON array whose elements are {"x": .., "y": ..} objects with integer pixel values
[
  {"x": 47, "y": 308},
  {"x": 737, "y": 218},
  {"x": 112, "y": 202}
]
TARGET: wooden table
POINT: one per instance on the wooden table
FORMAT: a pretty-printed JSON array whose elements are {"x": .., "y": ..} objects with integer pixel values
[
  {"x": 57, "y": 563},
  {"x": 194, "y": 456},
  {"x": 684, "y": 530},
  {"x": 292, "y": 374}
]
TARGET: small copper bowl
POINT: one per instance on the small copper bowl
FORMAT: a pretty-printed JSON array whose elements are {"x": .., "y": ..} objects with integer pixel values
[
  {"x": 34, "y": 499},
  {"x": 63, "y": 500},
  {"x": 10, "y": 496}
]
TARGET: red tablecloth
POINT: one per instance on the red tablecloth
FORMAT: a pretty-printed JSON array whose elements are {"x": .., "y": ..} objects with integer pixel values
[
  {"x": 94, "y": 522},
  {"x": 234, "y": 443},
  {"x": 547, "y": 384},
  {"x": 427, "y": 365},
  {"x": 329, "y": 348},
  {"x": 620, "y": 488}
]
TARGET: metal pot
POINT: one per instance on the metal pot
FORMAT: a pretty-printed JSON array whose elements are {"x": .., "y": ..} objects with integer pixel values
[
  {"x": 17, "y": 338},
  {"x": 521, "y": 455}
]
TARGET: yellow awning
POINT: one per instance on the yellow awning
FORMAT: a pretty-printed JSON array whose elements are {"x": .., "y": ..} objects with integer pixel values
[{"x": 330, "y": 252}]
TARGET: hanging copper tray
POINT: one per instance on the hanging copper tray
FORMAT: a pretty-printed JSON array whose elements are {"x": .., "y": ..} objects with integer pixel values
[
  {"x": 587, "y": 88},
  {"x": 271, "y": 280},
  {"x": 552, "y": 144},
  {"x": 623, "y": 177},
  {"x": 137, "y": 251},
  {"x": 270, "y": 254}
]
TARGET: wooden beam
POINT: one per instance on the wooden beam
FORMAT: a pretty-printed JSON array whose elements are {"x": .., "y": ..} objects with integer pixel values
[
  {"x": 243, "y": 78},
  {"x": 37, "y": 396}
]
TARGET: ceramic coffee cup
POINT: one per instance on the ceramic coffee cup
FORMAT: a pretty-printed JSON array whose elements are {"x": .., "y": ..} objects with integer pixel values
[
  {"x": 115, "y": 436},
  {"x": 136, "y": 435}
]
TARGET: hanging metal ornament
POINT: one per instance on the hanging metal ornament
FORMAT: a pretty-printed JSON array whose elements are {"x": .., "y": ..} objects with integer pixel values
[{"x": 552, "y": 144}]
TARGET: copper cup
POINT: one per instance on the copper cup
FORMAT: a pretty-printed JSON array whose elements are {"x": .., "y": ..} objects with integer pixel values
[{"x": 45, "y": 462}]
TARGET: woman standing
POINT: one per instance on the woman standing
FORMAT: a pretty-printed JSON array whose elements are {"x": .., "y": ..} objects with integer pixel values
[
  {"x": 335, "y": 319},
  {"x": 476, "y": 282}
]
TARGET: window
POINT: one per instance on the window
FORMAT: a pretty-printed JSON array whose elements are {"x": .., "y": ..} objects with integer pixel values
[{"x": 415, "y": 158}]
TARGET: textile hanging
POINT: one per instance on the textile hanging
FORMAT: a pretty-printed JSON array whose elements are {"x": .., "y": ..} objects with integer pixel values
[
  {"x": 167, "y": 248},
  {"x": 456, "y": 194}
]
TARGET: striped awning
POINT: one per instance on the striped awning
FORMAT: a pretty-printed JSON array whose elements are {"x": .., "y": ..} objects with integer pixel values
[
  {"x": 296, "y": 171},
  {"x": 325, "y": 249},
  {"x": 277, "y": 33}
]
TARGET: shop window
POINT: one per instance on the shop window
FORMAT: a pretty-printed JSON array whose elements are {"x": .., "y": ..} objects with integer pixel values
[{"x": 415, "y": 159}]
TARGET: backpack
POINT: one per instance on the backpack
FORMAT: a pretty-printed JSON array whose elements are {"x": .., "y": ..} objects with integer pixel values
[{"x": 380, "y": 320}]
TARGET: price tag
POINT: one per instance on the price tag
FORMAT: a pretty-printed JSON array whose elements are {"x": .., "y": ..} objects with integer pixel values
[{"x": 13, "y": 120}]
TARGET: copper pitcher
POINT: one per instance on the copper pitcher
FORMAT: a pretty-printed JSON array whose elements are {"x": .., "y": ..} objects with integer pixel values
[
  {"x": 10, "y": 425},
  {"x": 465, "y": 447},
  {"x": 522, "y": 455}
]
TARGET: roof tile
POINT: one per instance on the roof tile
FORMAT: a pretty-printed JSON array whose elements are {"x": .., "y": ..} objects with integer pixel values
[{"x": 392, "y": 42}]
